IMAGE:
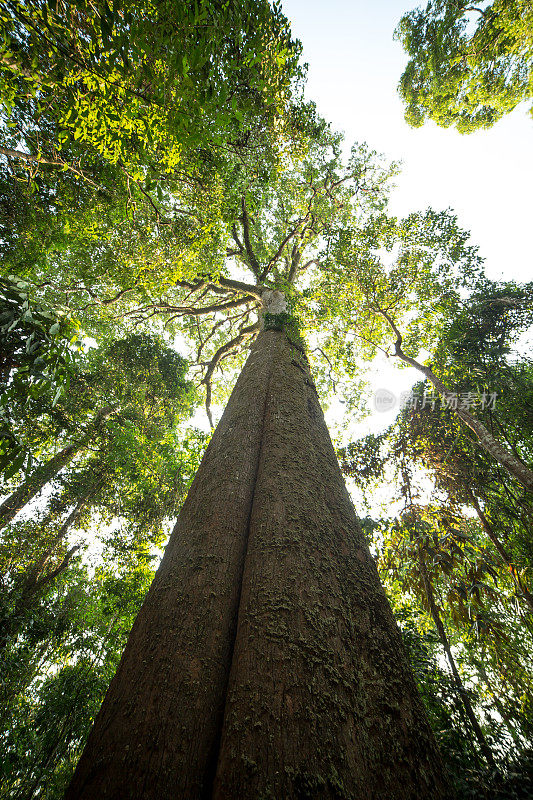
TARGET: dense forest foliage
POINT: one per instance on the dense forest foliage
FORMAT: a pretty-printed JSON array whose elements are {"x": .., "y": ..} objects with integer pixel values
[
  {"x": 469, "y": 65},
  {"x": 160, "y": 171}
]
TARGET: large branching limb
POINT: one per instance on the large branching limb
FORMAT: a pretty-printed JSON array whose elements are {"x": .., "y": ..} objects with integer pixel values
[
  {"x": 298, "y": 228},
  {"x": 240, "y": 251},
  {"x": 285, "y": 241},
  {"x": 486, "y": 440},
  {"x": 222, "y": 352},
  {"x": 221, "y": 285},
  {"x": 204, "y": 339},
  {"x": 198, "y": 285},
  {"x": 250, "y": 254},
  {"x": 151, "y": 201},
  {"x": 301, "y": 227},
  {"x": 238, "y": 295},
  {"x": 79, "y": 288},
  {"x": 296, "y": 256},
  {"x": 151, "y": 309},
  {"x": 108, "y": 301},
  {"x": 238, "y": 286},
  {"x": 329, "y": 189},
  {"x": 215, "y": 326}
]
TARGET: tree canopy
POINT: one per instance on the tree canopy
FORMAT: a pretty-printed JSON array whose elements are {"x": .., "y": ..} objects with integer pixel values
[{"x": 468, "y": 65}]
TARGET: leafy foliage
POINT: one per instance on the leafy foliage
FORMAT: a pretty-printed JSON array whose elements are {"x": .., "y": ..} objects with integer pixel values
[
  {"x": 458, "y": 547},
  {"x": 74, "y": 574},
  {"x": 160, "y": 175},
  {"x": 468, "y": 65},
  {"x": 144, "y": 84},
  {"x": 37, "y": 357}
]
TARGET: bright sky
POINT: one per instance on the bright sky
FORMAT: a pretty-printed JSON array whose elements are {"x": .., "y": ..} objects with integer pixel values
[{"x": 485, "y": 177}]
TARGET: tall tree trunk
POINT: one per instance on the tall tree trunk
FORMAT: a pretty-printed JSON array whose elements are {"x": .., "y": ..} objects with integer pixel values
[
  {"x": 463, "y": 694},
  {"x": 47, "y": 472},
  {"x": 265, "y": 661},
  {"x": 36, "y": 579}
]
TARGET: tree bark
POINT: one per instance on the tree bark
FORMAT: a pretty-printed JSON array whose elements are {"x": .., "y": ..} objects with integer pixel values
[
  {"x": 47, "y": 472},
  {"x": 265, "y": 662}
]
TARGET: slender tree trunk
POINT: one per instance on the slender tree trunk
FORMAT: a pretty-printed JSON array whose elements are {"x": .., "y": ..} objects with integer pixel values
[
  {"x": 65, "y": 734},
  {"x": 47, "y": 472},
  {"x": 496, "y": 700},
  {"x": 265, "y": 661},
  {"x": 489, "y": 530},
  {"x": 463, "y": 694},
  {"x": 486, "y": 440},
  {"x": 37, "y": 579}
]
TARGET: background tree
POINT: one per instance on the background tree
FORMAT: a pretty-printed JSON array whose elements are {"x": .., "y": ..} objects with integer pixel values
[
  {"x": 58, "y": 672},
  {"x": 411, "y": 295},
  {"x": 74, "y": 573},
  {"x": 37, "y": 356},
  {"x": 132, "y": 382},
  {"x": 468, "y": 65},
  {"x": 460, "y": 542}
]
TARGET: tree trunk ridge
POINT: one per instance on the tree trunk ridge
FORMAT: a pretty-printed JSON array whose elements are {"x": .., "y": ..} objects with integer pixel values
[
  {"x": 265, "y": 661},
  {"x": 208, "y": 791}
]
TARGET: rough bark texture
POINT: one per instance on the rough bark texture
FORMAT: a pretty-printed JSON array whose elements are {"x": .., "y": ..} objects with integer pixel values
[
  {"x": 157, "y": 733},
  {"x": 266, "y": 573},
  {"x": 321, "y": 702}
]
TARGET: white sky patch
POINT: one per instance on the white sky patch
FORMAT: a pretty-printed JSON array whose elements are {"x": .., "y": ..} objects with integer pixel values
[
  {"x": 485, "y": 177},
  {"x": 382, "y": 373}
]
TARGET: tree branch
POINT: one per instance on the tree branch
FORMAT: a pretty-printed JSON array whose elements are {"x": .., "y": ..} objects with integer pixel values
[
  {"x": 252, "y": 258},
  {"x": 485, "y": 439},
  {"x": 279, "y": 251},
  {"x": 218, "y": 356},
  {"x": 29, "y": 157}
]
